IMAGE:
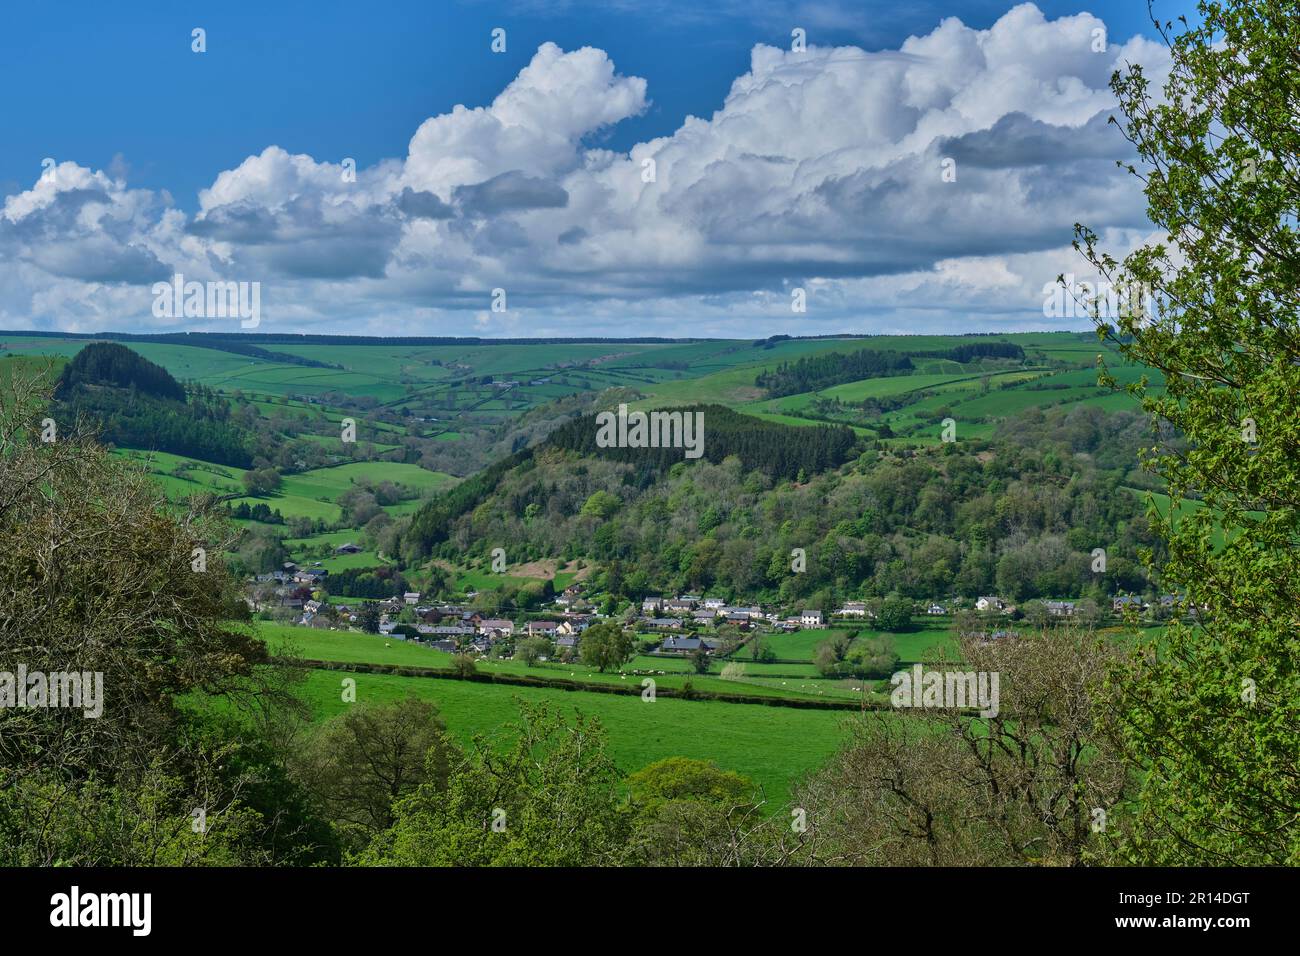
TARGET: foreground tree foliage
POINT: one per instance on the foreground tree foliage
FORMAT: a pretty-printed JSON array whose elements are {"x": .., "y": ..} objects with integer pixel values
[
  {"x": 360, "y": 763},
  {"x": 1212, "y": 714},
  {"x": 551, "y": 799},
  {"x": 941, "y": 787},
  {"x": 100, "y": 575}
]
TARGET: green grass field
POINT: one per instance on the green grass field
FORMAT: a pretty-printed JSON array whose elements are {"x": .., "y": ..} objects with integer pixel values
[{"x": 774, "y": 746}]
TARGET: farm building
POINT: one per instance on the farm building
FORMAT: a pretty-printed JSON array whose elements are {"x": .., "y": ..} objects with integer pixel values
[{"x": 681, "y": 645}]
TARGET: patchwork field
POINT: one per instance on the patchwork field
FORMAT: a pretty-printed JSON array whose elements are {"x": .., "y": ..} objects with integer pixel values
[{"x": 454, "y": 390}]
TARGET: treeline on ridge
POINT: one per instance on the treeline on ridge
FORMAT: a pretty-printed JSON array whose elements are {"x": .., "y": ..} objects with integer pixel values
[
  {"x": 138, "y": 404},
  {"x": 777, "y": 450},
  {"x": 814, "y": 372},
  {"x": 108, "y": 363}
]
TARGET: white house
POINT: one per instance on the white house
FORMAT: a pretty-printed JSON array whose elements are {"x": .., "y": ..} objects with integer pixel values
[
  {"x": 853, "y": 609},
  {"x": 989, "y": 604},
  {"x": 411, "y": 597},
  {"x": 811, "y": 619}
]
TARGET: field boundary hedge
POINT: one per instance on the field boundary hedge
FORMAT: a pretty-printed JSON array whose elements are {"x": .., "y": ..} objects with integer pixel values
[{"x": 559, "y": 683}]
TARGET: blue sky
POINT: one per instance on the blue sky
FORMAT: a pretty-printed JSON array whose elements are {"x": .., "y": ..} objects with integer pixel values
[{"x": 116, "y": 90}]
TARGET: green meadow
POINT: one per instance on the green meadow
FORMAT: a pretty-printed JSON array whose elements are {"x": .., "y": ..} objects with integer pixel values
[{"x": 774, "y": 746}]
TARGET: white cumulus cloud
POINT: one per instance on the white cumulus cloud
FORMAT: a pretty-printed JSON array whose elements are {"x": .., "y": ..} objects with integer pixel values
[{"x": 934, "y": 185}]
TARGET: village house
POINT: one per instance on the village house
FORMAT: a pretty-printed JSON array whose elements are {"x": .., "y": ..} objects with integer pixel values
[
  {"x": 811, "y": 619},
  {"x": 1059, "y": 608},
  {"x": 990, "y": 604},
  {"x": 497, "y": 625},
  {"x": 704, "y": 617},
  {"x": 452, "y": 631},
  {"x": 652, "y": 605},
  {"x": 681, "y": 645},
  {"x": 310, "y": 619},
  {"x": 714, "y": 604},
  {"x": 1127, "y": 602},
  {"x": 853, "y": 609},
  {"x": 661, "y": 623},
  {"x": 573, "y": 625},
  {"x": 936, "y": 609},
  {"x": 542, "y": 628},
  {"x": 678, "y": 606},
  {"x": 412, "y": 598}
]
